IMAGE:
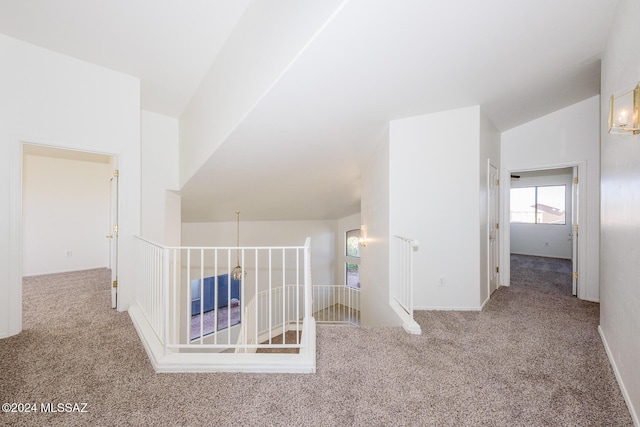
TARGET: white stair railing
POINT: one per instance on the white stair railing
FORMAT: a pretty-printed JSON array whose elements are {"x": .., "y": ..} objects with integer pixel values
[
  {"x": 336, "y": 304},
  {"x": 190, "y": 301},
  {"x": 401, "y": 284},
  {"x": 152, "y": 297},
  {"x": 273, "y": 313}
]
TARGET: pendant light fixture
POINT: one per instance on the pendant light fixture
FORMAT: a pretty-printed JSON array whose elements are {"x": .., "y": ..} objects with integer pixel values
[{"x": 237, "y": 271}]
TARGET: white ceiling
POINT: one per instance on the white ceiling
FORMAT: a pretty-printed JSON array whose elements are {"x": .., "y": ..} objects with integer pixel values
[
  {"x": 298, "y": 154},
  {"x": 168, "y": 44}
]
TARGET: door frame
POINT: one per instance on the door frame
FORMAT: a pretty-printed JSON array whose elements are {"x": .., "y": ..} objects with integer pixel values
[
  {"x": 16, "y": 212},
  {"x": 575, "y": 220},
  {"x": 505, "y": 235},
  {"x": 497, "y": 228},
  {"x": 113, "y": 229}
]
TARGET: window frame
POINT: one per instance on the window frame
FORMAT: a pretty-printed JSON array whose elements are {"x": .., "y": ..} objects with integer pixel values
[
  {"x": 536, "y": 203},
  {"x": 352, "y": 259}
]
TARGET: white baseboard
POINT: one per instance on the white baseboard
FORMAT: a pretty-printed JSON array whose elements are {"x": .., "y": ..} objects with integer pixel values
[
  {"x": 169, "y": 361},
  {"x": 72, "y": 270},
  {"x": 623, "y": 389}
]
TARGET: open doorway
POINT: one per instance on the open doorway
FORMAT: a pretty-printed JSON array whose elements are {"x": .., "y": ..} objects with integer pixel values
[
  {"x": 543, "y": 212},
  {"x": 66, "y": 210}
]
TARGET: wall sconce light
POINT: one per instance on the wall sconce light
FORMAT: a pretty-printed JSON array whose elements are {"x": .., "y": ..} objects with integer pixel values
[
  {"x": 362, "y": 240},
  {"x": 623, "y": 112}
]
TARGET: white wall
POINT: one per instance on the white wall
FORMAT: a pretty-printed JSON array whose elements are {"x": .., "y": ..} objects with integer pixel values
[
  {"x": 374, "y": 267},
  {"x": 52, "y": 99},
  {"x": 567, "y": 137},
  {"x": 548, "y": 240},
  {"x": 159, "y": 170},
  {"x": 173, "y": 219},
  {"x": 65, "y": 211},
  {"x": 272, "y": 233},
  {"x": 620, "y": 211},
  {"x": 434, "y": 198},
  {"x": 264, "y": 43}
]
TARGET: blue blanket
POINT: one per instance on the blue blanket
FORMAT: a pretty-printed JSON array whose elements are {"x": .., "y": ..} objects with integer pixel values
[{"x": 209, "y": 292}]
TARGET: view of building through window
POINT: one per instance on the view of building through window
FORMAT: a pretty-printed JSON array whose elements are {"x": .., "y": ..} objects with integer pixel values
[{"x": 538, "y": 205}]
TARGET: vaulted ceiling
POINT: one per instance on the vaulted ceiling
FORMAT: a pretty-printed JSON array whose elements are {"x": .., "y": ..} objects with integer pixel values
[{"x": 297, "y": 154}]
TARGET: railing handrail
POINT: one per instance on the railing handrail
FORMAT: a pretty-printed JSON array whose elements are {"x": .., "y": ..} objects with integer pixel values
[
  {"x": 224, "y": 248},
  {"x": 337, "y": 286},
  {"x": 413, "y": 242}
]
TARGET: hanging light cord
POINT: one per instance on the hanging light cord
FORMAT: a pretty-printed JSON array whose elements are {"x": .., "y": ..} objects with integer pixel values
[{"x": 238, "y": 239}]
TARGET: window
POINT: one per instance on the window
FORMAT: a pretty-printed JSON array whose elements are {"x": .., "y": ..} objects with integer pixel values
[
  {"x": 352, "y": 252},
  {"x": 538, "y": 205},
  {"x": 353, "y": 275},
  {"x": 353, "y": 240}
]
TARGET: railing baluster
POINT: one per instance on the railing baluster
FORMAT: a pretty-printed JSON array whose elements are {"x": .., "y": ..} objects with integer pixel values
[
  {"x": 269, "y": 320},
  {"x": 201, "y": 297},
  {"x": 215, "y": 296},
  {"x": 229, "y": 281},
  {"x": 188, "y": 299},
  {"x": 161, "y": 289},
  {"x": 297, "y": 296},
  {"x": 165, "y": 292},
  {"x": 284, "y": 294},
  {"x": 256, "y": 302},
  {"x": 241, "y": 303},
  {"x": 176, "y": 323}
]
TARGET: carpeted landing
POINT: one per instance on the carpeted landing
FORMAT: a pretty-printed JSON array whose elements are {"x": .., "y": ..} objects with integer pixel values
[{"x": 532, "y": 357}]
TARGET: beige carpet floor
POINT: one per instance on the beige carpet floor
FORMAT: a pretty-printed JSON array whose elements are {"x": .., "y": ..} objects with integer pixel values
[{"x": 532, "y": 357}]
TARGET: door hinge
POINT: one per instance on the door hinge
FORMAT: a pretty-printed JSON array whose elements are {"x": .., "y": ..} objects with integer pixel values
[
  {"x": 497, "y": 182},
  {"x": 115, "y": 228},
  {"x": 497, "y": 269},
  {"x": 497, "y": 226},
  {"x": 116, "y": 173},
  {"x": 575, "y": 274},
  {"x": 575, "y": 180},
  {"x": 115, "y": 283}
]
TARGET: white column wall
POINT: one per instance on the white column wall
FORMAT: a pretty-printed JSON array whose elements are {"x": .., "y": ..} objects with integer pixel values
[
  {"x": 374, "y": 267},
  {"x": 620, "y": 211},
  {"x": 159, "y": 164},
  {"x": 570, "y": 136},
  {"x": 51, "y": 99},
  {"x": 173, "y": 219},
  {"x": 434, "y": 198}
]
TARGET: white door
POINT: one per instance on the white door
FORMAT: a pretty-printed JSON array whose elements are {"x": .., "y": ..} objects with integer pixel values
[
  {"x": 494, "y": 228},
  {"x": 574, "y": 234},
  {"x": 113, "y": 237}
]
